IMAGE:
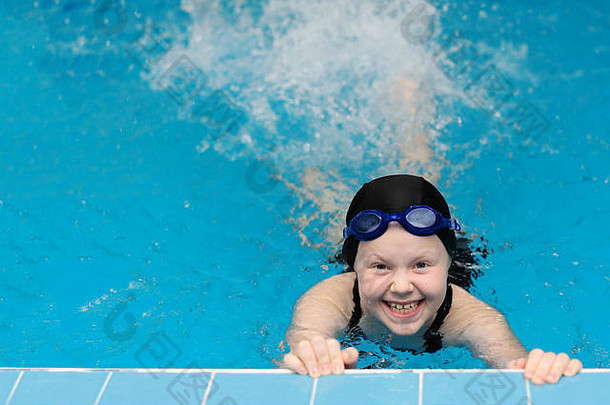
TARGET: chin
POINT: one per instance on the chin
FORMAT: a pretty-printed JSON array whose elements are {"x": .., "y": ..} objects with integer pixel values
[{"x": 404, "y": 331}]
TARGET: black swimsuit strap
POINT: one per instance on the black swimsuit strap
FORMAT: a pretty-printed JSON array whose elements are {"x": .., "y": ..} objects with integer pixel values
[
  {"x": 432, "y": 337},
  {"x": 433, "y": 341},
  {"x": 357, "y": 312}
]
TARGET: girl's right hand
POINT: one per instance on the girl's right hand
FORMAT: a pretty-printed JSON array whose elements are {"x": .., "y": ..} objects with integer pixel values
[{"x": 320, "y": 356}]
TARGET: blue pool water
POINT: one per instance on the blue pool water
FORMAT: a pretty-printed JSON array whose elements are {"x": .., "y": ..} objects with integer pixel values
[{"x": 138, "y": 230}]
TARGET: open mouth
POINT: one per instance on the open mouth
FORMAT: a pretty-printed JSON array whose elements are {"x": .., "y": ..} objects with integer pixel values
[{"x": 403, "y": 309}]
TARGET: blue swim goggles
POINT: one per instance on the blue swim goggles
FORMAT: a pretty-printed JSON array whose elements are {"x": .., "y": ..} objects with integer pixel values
[{"x": 419, "y": 220}]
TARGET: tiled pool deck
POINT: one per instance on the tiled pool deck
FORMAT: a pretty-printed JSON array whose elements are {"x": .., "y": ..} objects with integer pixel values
[{"x": 20, "y": 386}]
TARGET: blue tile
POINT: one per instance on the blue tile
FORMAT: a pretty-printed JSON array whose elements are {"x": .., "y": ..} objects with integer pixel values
[
  {"x": 155, "y": 388},
  {"x": 368, "y": 389},
  {"x": 473, "y": 388},
  {"x": 7, "y": 380},
  {"x": 582, "y": 389},
  {"x": 59, "y": 387},
  {"x": 185, "y": 388},
  {"x": 243, "y": 389}
]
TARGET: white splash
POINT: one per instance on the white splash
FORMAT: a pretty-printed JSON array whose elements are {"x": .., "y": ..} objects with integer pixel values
[{"x": 328, "y": 88}]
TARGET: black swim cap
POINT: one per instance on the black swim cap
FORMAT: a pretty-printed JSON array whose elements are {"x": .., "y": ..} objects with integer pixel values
[{"x": 396, "y": 193}]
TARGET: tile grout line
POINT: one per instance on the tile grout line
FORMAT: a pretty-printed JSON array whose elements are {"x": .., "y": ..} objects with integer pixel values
[
  {"x": 271, "y": 370},
  {"x": 204, "y": 400},
  {"x": 10, "y": 396},
  {"x": 528, "y": 392},
  {"x": 313, "y": 391},
  {"x": 420, "y": 400},
  {"x": 99, "y": 395}
]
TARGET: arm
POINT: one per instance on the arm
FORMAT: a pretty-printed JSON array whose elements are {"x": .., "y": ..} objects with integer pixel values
[
  {"x": 323, "y": 311},
  {"x": 482, "y": 329},
  {"x": 318, "y": 318},
  {"x": 487, "y": 334}
]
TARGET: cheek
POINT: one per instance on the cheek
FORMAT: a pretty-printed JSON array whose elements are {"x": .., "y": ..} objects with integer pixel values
[
  {"x": 433, "y": 281},
  {"x": 372, "y": 286},
  {"x": 434, "y": 287}
]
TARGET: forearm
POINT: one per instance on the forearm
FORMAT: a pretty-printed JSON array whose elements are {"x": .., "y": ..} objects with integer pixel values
[
  {"x": 482, "y": 329},
  {"x": 315, "y": 316},
  {"x": 493, "y": 341},
  {"x": 498, "y": 354},
  {"x": 323, "y": 311},
  {"x": 297, "y": 333}
]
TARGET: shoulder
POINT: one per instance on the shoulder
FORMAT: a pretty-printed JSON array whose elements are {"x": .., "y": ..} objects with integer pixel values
[
  {"x": 344, "y": 280},
  {"x": 466, "y": 313},
  {"x": 337, "y": 289},
  {"x": 462, "y": 299},
  {"x": 482, "y": 328}
]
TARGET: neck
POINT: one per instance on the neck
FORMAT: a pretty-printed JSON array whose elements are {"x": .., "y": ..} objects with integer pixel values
[{"x": 377, "y": 330}]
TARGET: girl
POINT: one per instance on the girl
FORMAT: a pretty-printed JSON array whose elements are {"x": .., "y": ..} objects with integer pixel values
[{"x": 399, "y": 243}]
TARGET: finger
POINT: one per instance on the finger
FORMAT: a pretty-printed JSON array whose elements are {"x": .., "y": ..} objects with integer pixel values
[
  {"x": 557, "y": 368},
  {"x": 532, "y": 362},
  {"x": 321, "y": 350},
  {"x": 292, "y": 362},
  {"x": 334, "y": 351},
  {"x": 350, "y": 357},
  {"x": 517, "y": 363},
  {"x": 574, "y": 367},
  {"x": 544, "y": 366},
  {"x": 308, "y": 357}
]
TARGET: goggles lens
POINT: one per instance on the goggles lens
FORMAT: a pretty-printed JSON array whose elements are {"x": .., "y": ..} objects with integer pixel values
[
  {"x": 367, "y": 223},
  {"x": 421, "y": 218}
]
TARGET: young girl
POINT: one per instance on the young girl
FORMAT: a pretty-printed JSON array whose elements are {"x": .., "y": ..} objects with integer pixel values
[{"x": 399, "y": 242}]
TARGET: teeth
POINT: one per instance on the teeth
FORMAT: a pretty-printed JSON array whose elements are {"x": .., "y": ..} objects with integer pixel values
[{"x": 404, "y": 309}]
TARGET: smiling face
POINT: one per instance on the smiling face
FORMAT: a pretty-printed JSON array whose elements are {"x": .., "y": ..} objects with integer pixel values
[{"x": 402, "y": 279}]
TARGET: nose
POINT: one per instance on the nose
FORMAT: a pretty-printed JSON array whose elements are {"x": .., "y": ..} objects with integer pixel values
[{"x": 401, "y": 283}]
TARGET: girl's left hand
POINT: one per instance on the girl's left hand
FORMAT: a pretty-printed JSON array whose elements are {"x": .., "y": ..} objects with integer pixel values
[{"x": 548, "y": 367}]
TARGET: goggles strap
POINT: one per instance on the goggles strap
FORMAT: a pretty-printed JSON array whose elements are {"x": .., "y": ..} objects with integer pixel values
[{"x": 453, "y": 224}]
